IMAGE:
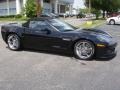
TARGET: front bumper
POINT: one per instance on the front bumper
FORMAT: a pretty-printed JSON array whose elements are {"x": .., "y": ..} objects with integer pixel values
[{"x": 106, "y": 52}]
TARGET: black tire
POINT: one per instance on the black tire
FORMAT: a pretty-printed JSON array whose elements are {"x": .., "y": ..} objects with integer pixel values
[
  {"x": 11, "y": 41},
  {"x": 112, "y": 22},
  {"x": 92, "y": 51}
]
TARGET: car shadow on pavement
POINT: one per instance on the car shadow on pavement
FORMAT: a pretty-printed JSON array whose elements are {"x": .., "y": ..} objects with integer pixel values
[
  {"x": 117, "y": 24},
  {"x": 59, "y": 53},
  {"x": 114, "y": 25},
  {"x": 65, "y": 54}
]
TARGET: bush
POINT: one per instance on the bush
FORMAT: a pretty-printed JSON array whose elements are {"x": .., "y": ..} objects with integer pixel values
[
  {"x": 80, "y": 15},
  {"x": 18, "y": 16},
  {"x": 12, "y": 16},
  {"x": 8, "y": 16}
]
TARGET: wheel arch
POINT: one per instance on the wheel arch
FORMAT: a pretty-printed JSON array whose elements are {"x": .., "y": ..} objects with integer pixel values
[
  {"x": 95, "y": 48},
  {"x": 111, "y": 20},
  {"x": 80, "y": 40}
]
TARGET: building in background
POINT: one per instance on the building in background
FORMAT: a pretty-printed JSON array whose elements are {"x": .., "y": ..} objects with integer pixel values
[
  {"x": 75, "y": 11},
  {"x": 14, "y": 7}
]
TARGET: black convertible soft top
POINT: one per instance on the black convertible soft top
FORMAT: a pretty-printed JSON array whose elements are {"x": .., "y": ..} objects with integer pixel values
[
  {"x": 41, "y": 18},
  {"x": 37, "y": 19}
]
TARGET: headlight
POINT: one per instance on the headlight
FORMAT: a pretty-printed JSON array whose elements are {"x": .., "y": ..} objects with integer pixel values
[{"x": 104, "y": 38}]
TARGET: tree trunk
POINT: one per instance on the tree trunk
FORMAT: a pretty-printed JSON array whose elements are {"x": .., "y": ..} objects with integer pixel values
[
  {"x": 103, "y": 14},
  {"x": 38, "y": 6},
  {"x": 106, "y": 13}
]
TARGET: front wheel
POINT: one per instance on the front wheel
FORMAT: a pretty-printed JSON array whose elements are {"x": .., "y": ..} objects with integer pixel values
[
  {"x": 13, "y": 42},
  {"x": 84, "y": 50}
]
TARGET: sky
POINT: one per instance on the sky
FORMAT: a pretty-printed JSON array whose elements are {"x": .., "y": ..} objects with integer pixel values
[{"x": 78, "y": 4}]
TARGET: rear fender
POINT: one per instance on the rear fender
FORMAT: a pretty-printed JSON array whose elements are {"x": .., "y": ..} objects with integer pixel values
[{"x": 12, "y": 30}]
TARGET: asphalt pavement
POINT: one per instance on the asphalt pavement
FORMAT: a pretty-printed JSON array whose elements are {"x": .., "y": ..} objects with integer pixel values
[{"x": 36, "y": 70}]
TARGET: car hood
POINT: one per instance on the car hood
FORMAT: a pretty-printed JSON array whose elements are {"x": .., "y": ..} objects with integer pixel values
[{"x": 94, "y": 32}]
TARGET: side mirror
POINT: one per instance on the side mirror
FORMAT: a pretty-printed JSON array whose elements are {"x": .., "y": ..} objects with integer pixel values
[
  {"x": 46, "y": 31},
  {"x": 24, "y": 24}
]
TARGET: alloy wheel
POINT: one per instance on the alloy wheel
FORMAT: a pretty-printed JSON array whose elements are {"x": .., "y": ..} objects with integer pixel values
[
  {"x": 84, "y": 50},
  {"x": 13, "y": 42}
]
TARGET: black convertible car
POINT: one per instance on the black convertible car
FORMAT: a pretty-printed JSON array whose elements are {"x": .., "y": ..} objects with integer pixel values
[{"x": 53, "y": 34}]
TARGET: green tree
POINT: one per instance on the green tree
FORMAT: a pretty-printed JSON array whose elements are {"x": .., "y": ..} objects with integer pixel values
[
  {"x": 104, "y": 5},
  {"x": 84, "y": 11},
  {"x": 96, "y": 12},
  {"x": 30, "y": 8}
]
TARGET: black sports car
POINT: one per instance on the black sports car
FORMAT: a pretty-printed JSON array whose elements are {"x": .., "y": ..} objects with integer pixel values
[{"x": 53, "y": 34}]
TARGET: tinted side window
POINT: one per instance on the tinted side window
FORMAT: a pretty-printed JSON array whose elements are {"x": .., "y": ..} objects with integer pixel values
[{"x": 40, "y": 25}]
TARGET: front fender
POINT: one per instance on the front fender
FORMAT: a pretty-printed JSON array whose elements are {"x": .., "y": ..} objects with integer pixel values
[{"x": 91, "y": 38}]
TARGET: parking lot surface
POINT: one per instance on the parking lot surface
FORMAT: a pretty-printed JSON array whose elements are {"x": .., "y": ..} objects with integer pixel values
[{"x": 35, "y": 70}]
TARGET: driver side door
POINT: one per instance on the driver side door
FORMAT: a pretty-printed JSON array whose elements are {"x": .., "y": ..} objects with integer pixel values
[{"x": 38, "y": 35}]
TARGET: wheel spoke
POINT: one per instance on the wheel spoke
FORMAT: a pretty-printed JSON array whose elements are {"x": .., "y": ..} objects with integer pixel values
[
  {"x": 83, "y": 44},
  {"x": 13, "y": 42},
  {"x": 84, "y": 50}
]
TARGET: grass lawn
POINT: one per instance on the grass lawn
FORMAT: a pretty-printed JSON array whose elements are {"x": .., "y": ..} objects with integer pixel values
[
  {"x": 12, "y": 19},
  {"x": 92, "y": 24}
]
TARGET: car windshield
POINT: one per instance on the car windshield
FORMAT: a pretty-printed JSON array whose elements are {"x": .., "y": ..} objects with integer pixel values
[{"x": 61, "y": 26}]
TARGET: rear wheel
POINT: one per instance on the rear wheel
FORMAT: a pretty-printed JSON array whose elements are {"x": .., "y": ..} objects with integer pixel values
[
  {"x": 13, "y": 42},
  {"x": 84, "y": 50},
  {"x": 112, "y": 22}
]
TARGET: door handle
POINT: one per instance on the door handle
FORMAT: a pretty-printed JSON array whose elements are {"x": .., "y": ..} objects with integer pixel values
[
  {"x": 37, "y": 31},
  {"x": 65, "y": 38}
]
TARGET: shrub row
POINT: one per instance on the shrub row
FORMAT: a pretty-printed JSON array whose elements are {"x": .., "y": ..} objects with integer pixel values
[{"x": 12, "y": 16}]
